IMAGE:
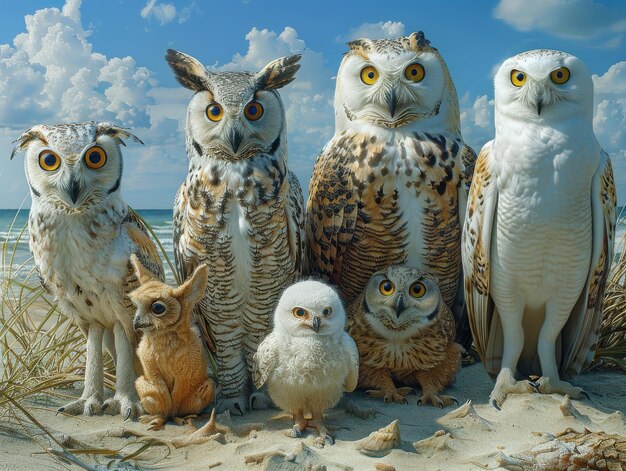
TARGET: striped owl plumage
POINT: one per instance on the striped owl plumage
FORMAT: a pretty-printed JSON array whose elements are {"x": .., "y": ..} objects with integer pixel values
[
  {"x": 540, "y": 225},
  {"x": 404, "y": 332},
  {"x": 240, "y": 210},
  {"x": 82, "y": 234},
  {"x": 391, "y": 185}
]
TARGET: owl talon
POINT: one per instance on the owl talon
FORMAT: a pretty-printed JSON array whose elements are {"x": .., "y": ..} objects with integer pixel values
[
  {"x": 494, "y": 403},
  {"x": 295, "y": 432}
]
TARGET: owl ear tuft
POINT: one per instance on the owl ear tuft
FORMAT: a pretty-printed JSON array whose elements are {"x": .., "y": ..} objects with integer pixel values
[
  {"x": 116, "y": 132},
  {"x": 189, "y": 72},
  {"x": 361, "y": 47},
  {"x": 26, "y": 138},
  {"x": 278, "y": 73},
  {"x": 418, "y": 41},
  {"x": 143, "y": 274},
  {"x": 192, "y": 291}
]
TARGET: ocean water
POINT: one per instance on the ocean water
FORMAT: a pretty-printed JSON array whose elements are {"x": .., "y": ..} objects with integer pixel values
[{"x": 14, "y": 238}]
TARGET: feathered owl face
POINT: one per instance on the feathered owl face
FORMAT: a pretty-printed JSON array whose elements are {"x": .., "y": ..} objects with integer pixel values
[
  {"x": 401, "y": 300},
  {"x": 541, "y": 85},
  {"x": 393, "y": 83},
  {"x": 73, "y": 166},
  {"x": 308, "y": 309},
  {"x": 162, "y": 307},
  {"x": 234, "y": 115}
]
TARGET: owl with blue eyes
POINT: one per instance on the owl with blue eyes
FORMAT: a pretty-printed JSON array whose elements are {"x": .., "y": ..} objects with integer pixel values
[
  {"x": 82, "y": 235},
  {"x": 240, "y": 210},
  {"x": 391, "y": 185}
]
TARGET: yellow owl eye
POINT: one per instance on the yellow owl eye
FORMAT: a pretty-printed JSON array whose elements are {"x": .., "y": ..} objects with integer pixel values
[
  {"x": 518, "y": 78},
  {"x": 417, "y": 289},
  {"x": 299, "y": 312},
  {"x": 49, "y": 160},
  {"x": 214, "y": 112},
  {"x": 386, "y": 287},
  {"x": 560, "y": 75},
  {"x": 369, "y": 75},
  {"x": 327, "y": 311},
  {"x": 253, "y": 110},
  {"x": 95, "y": 158},
  {"x": 415, "y": 72}
]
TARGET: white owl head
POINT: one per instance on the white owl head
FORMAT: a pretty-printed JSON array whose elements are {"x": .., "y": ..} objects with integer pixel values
[
  {"x": 234, "y": 115},
  {"x": 398, "y": 83},
  {"x": 310, "y": 308},
  {"x": 541, "y": 86},
  {"x": 73, "y": 167}
]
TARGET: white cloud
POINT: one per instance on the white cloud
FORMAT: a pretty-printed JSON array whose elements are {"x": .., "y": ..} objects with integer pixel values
[
  {"x": 162, "y": 12},
  {"x": 380, "y": 30},
  {"x": 581, "y": 19},
  {"x": 477, "y": 121}
]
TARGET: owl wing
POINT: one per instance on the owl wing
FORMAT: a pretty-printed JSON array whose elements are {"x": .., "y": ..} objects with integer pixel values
[
  {"x": 264, "y": 360},
  {"x": 351, "y": 353},
  {"x": 295, "y": 222},
  {"x": 483, "y": 317},
  {"x": 143, "y": 247},
  {"x": 331, "y": 211},
  {"x": 580, "y": 334}
]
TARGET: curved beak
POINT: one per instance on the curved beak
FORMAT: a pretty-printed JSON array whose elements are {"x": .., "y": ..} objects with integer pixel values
[
  {"x": 539, "y": 104},
  {"x": 137, "y": 324},
  {"x": 73, "y": 189},
  {"x": 392, "y": 101},
  {"x": 400, "y": 305},
  {"x": 315, "y": 324},
  {"x": 235, "y": 138}
]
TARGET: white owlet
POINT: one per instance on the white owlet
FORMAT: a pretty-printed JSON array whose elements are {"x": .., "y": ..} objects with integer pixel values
[
  {"x": 390, "y": 188},
  {"x": 308, "y": 360},
  {"x": 82, "y": 235},
  {"x": 240, "y": 210},
  {"x": 539, "y": 229}
]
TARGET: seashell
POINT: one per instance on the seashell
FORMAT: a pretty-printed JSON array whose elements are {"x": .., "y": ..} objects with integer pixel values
[
  {"x": 463, "y": 417},
  {"x": 440, "y": 441},
  {"x": 380, "y": 442},
  {"x": 571, "y": 450}
]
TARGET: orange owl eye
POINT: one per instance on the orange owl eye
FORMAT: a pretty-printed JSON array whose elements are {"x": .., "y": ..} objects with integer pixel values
[
  {"x": 560, "y": 75},
  {"x": 415, "y": 72},
  {"x": 369, "y": 75},
  {"x": 417, "y": 289},
  {"x": 386, "y": 287},
  {"x": 299, "y": 312},
  {"x": 214, "y": 112},
  {"x": 253, "y": 110},
  {"x": 518, "y": 78},
  {"x": 95, "y": 158},
  {"x": 49, "y": 161}
]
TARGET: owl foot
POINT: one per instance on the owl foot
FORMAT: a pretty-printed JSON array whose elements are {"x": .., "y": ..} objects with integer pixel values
[
  {"x": 186, "y": 420},
  {"x": 437, "y": 401},
  {"x": 236, "y": 405},
  {"x": 155, "y": 422},
  {"x": 87, "y": 406},
  {"x": 391, "y": 394},
  {"x": 128, "y": 406},
  {"x": 260, "y": 401},
  {"x": 546, "y": 385},
  {"x": 322, "y": 440},
  {"x": 505, "y": 385},
  {"x": 323, "y": 437}
]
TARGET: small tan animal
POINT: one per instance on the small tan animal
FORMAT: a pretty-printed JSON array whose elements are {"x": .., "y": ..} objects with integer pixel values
[
  {"x": 175, "y": 381},
  {"x": 404, "y": 332}
]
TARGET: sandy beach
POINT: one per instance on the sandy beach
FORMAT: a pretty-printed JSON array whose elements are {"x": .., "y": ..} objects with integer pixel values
[{"x": 477, "y": 438}]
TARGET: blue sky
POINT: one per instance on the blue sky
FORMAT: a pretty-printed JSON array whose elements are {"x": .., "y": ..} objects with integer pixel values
[{"x": 63, "y": 61}]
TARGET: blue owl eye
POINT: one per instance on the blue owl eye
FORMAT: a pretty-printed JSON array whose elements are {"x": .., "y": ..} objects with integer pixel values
[
  {"x": 158, "y": 308},
  {"x": 299, "y": 312},
  {"x": 327, "y": 311}
]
